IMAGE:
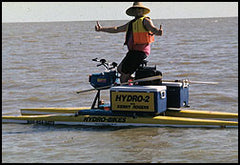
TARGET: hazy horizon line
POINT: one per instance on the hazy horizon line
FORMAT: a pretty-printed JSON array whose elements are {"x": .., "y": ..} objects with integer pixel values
[{"x": 121, "y": 19}]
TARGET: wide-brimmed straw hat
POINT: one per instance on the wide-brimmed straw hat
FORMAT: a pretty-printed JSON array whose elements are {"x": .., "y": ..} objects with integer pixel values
[{"x": 132, "y": 12}]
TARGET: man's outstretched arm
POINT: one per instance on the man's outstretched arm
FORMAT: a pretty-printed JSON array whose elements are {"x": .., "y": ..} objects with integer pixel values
[
  {"x": 149, "y": 25},
  {"x": 114, "y": 29}
]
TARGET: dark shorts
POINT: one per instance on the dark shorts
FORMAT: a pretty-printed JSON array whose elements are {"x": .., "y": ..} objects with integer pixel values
[{"x": 132, "y": 61}]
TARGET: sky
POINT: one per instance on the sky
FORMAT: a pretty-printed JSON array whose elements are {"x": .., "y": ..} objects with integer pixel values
[{"x": 92, "y": 11}]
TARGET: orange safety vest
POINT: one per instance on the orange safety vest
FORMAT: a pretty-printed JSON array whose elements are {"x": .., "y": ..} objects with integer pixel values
[{"x": 140, "y": 34}]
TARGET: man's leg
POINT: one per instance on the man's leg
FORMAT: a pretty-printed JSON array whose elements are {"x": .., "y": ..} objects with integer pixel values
[
  {"x": 129, "y": 64},
  {"x": 123, "y": 77}
]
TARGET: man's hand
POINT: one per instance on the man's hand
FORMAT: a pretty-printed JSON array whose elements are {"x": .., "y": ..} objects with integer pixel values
[
  {"x": 161, "y": 30},
  {"x": 98, "y": 27}
]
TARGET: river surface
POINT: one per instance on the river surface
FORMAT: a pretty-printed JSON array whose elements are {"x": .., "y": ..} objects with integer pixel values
[{"x": 44, "y": 64}]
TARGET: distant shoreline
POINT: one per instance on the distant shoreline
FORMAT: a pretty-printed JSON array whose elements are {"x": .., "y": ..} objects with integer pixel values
[{"x": 117, "y": 20}]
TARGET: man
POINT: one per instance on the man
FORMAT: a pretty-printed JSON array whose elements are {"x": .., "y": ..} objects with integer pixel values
[{"x": 139, "y": 34}]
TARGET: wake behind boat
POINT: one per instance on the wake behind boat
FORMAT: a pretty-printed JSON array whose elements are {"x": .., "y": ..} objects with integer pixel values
[{"x": 146, "y": 100}]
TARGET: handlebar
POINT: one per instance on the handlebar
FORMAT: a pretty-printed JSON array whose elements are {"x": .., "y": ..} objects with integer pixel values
[{"x": 103, "y": 62}]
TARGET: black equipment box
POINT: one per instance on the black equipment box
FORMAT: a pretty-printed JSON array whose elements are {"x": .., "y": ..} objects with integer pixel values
[
  {"x": 143, "y": 72},
  {"x": 177, "y": 94}
]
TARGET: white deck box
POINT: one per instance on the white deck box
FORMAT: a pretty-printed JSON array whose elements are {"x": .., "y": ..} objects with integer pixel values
[{"x": 148, "y": 99}]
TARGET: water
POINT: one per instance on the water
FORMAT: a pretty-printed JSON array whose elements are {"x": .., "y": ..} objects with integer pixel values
[{"x": 44, "y": 64}]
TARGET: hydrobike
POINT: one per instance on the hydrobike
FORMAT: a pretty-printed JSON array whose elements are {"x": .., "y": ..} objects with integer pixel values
[{"x": 145, "y": 100}]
